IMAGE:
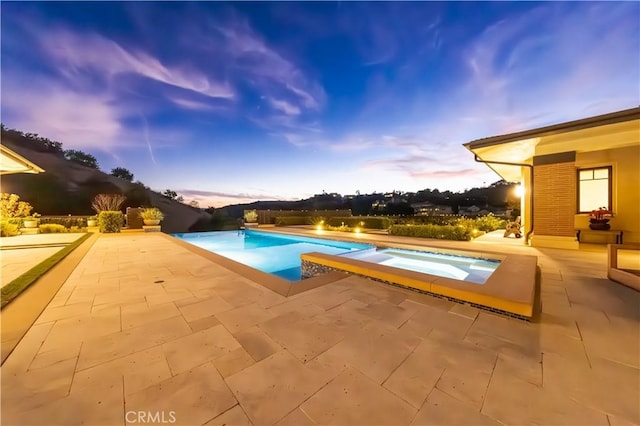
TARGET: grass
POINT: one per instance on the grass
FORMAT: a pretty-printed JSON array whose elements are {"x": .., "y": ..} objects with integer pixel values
[{"x": 18, "y": 285}]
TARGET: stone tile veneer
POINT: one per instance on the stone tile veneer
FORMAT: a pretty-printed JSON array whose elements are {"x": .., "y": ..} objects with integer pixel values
[{"x": 312, "y": 269}]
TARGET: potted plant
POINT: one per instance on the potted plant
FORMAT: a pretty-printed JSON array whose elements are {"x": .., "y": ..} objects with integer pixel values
[
  {"x": 599, "y": 219},
  {"x": 151, "y": 216},
  {"x": 31, "y": 221},
  {"x": 250, "y": 217},
  {"x": 92, "y": 221}
]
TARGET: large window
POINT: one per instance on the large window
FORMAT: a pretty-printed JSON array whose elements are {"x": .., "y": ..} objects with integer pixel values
[{"x": 594, "y": 189}]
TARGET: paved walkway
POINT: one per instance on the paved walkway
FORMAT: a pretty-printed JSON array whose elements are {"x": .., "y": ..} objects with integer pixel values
[{"x": 147, "y": 331}]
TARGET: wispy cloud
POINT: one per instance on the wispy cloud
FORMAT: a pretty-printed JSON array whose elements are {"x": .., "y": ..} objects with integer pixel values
[
  {"x": 197, "y": 105},
  {"x": 201, "y": 193},
  {"x": 444, "y": 173},
  {"x": 511, "y": 86},
  {"x": 220, "y": 198},
  {"x": 77, "y": 119},
  {"x": 284, "y": 106},
  {"x": 145, "y": 132},
  {"x": 75, "y": 52}
]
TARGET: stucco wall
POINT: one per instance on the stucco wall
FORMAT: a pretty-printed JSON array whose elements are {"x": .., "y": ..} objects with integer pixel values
[{"x": 625, "y": 164}]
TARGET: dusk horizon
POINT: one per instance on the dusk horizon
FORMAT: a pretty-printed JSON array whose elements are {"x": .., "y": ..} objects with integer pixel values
[{"x": 228, "y": 103}]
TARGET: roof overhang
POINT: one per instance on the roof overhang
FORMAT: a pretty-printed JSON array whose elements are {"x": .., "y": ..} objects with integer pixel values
[
  {"x": 11, "y": 162},
  {"x": 609, "y": 131}
]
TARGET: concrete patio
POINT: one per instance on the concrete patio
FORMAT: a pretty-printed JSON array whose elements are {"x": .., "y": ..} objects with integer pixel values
[{"x": 146, "y": 331}]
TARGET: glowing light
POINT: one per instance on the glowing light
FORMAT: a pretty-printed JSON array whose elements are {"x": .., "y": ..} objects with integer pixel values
[
  {"x": 319, "y": 227},
  {"x": 519, "y": 190},
  {"x": 357, "y": 230}
]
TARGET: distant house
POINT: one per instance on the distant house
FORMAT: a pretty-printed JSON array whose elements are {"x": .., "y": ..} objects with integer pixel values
[
  {"x": 395, "y": 197},
  {"x": 430, "y": 209},
  {"x": 470, "y": 209},
  {"x": 569, "y": 169}
]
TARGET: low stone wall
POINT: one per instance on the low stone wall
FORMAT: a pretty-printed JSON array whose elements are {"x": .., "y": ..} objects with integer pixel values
[{"x": 311, "y": 269}]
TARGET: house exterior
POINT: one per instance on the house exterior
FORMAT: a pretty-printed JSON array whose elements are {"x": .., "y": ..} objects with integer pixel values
[
  {"x": 430, "y": 209},
  {"x": 569, "y": 169},
  {"x": 12, "y": 162}
]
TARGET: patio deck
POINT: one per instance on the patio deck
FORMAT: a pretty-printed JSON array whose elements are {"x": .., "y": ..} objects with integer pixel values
[{"x": 143, "y": 325}]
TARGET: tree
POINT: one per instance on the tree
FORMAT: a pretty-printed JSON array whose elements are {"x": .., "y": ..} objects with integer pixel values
[
  {"x": 122, "y": 173},
  {"x": 195, "y": 204},
  {"x": 171, "y": 194},
  {"x": 81, "y": 158},
  {"x": 11, "y": 206},
  {"x": 107, "y": 202}
]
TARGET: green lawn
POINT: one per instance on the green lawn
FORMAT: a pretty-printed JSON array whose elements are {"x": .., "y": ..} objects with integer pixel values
[{"x": 18, "y": 285}]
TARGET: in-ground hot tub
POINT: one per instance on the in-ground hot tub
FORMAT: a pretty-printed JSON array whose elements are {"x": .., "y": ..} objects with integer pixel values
[{"x": 502, "y": 283}]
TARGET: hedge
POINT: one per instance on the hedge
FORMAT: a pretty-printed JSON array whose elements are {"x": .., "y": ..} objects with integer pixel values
[
  {"x": 8, "y": 229},
  {"x": 370, "y": 222},
  {"x": 428, "y": 220},
  {"x": 441, "y": 232},
  {"x": 293, "y": 220},
  {"x": 110, "y": 221},
  {"x": 66, "y": 221},
  {"x": 52, "y": 228},
  {"x": 489, "y": 223},
  {"x": 486, "y": 223}
]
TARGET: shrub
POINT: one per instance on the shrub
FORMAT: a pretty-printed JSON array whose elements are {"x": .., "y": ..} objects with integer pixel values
[
  {"x": 107, "y": 202},
  {"x": 8, "y": 229},
  {"x": 250, "y": 216},
  {"x": 441, "y": 232},
  {"x": 427, "y": 220},
  {"x": 17, "y": 221},
  {"x": 35, "y": 216},
  {"x": 344, "y": 228},
  {"x": 151, "y": 213},
  {"x": 110, "y": 221},
  {"x": 293, "y": 220},
  {"x": 66, "y": 221},
  {"x": 370, "y": 222},
  {"x": 489, "y": 223},
  {"x": 52, "y": 228},
  {"x": 11, "y": 206}
]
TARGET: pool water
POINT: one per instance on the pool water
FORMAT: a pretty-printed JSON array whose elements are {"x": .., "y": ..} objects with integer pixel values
[
  {"x": 470, "y": 269},
  {"x": 275, "y": 254}
]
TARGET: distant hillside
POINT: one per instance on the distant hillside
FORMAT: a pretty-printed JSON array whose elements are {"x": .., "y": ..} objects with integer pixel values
[{"x": 67, "y": 187}]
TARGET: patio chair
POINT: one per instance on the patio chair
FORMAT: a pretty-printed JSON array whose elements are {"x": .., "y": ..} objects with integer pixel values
[{"x": 513, "y": 228}]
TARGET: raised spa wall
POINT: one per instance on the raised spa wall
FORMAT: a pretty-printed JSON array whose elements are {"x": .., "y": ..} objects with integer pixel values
[{"x": 510, "y": 291}]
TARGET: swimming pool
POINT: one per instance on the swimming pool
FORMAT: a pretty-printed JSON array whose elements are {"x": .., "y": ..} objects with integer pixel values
[
  {"x": 502, "y": 283},
  {"x": 277, "y": 254},
  {"x": 464, "y": 268},
  {"x": 280, "y": 254}
]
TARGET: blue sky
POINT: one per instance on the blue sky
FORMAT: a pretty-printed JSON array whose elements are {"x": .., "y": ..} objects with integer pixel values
[{"x": 235, "y": 102}]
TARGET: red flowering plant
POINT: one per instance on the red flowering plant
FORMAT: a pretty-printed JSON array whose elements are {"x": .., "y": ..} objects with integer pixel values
[{"x": 601, "y": 214}]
